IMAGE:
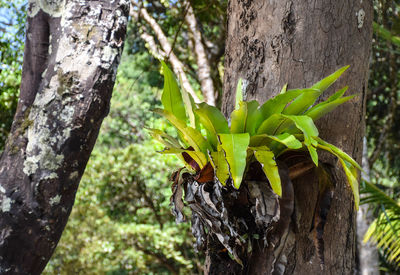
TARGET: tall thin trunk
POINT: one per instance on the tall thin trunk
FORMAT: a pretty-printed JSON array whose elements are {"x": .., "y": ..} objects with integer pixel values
[
  {"x": 72, "y": 52},
  {"x": 204, "y": 70},
  {"x": 271, "y": 43},
  {"x": 167, "y": 52},
  {"x": 368, "y": 258}
]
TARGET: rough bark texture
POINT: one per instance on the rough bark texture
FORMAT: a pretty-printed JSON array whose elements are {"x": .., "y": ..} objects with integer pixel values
[
  {"x": 271, "y": 43},
  {"x": 72, "y": 52}
]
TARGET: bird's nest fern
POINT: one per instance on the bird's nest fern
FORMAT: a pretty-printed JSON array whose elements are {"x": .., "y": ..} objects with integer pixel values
[{"x": 222, "y": 157}]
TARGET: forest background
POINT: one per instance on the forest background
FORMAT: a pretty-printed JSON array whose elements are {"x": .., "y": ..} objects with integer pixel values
[{"x": 121, "y": 222}]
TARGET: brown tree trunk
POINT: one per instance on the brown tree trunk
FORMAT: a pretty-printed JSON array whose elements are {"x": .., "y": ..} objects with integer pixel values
[
  {"x": 72, "y": 52},
  {"x": 269, "y": 44}
]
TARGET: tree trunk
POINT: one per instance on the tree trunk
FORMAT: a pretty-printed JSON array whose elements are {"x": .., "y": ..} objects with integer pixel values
[
  {"x": 368, "y": 257},
  {"x": 72, "y": 52},
  {"x": 269, "y": 44},
  {"x": 203, "y": 66},
  {"x": 167, "y": 50}
]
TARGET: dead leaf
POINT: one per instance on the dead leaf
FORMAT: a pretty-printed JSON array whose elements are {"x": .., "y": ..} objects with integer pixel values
[
  {"x": 176, "y": 198},
  {"x": 206, "y": 174}
]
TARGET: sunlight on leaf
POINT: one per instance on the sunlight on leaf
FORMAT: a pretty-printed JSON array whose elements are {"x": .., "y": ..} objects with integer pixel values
[
  {"x": 213, "y": 121},
  {"x": 171, "y": 97},
  {"x": 239, "y": 94},
  {"x": 243, "y": 118},
  {"x": 329, "y": 80},
  {"x": 192, "y": 136},
  {"x": 351, "y": 174},
  {"x": 220, "y": 165},
  {"x": 235, "y": 148},
  {"x": 267, "y": 160}
]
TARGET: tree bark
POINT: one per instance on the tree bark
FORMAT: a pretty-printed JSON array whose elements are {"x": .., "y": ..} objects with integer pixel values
[
  {"x": 271, "y": 43},
  {"x": 72, "y": 52}
]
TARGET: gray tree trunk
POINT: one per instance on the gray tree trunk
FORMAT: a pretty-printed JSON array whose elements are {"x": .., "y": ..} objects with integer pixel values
[
  {"x": 72, "y": 52},
  {"x": 271, "y": 43},
  {"x": 368, "y": 257},
  {"x": 203, "y": 66},
  {"x": 167, "y": 50}
]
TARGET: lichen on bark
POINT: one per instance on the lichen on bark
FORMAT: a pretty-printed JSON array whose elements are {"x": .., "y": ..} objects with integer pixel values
[{"x": 67, "y": 80}]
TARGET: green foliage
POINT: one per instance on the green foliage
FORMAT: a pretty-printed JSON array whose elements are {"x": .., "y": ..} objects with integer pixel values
[
  {"x": 121, "y": 219},
  {"x": 325, "y": 83},
  {"x": 137, "y": 85},
  {"x": 169, "y": 15},
  {"x": 213, "y": 122},
  {"x": 172, "y": 98},
  {"x": 276, "y": 104},
  {"x": 383, "y": 127},
  {"x": 383, "y": 130},
  {"x": 384, "y": 230},
  {"x": 243, "y": 119},
  {"x": 191, "y": 136},
  {"x": 234, "y": 147},
  {"x": 330, "y": 104},
  {"x": 386, "y": 34},
  {"x": 268, "y": 163},
  {"x": 256, "y": 133},
  {"x": 220, "y": 165}
]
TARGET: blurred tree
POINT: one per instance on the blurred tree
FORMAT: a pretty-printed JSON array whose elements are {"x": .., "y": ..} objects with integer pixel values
[
  {"x": 382, "y": 108},
  {"x": 383, "y": 129},
  {"x": 367, "y": 258}
]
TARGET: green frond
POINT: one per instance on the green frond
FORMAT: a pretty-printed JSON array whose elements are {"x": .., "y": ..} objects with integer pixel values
[
  {"x": 385, "y": 230},
  {"x": 255, "y": 133},
  {"x": 373, "y": 195}
]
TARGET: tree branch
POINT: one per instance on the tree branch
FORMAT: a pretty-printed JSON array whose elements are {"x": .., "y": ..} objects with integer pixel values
[
  {"x": 179, "y": 30},
  {"x": 177, "y": 66},
  {"x": 204, "y": 70},
  {"x": 152, "y": 45},
  {"x": 160, "y": 257}
]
